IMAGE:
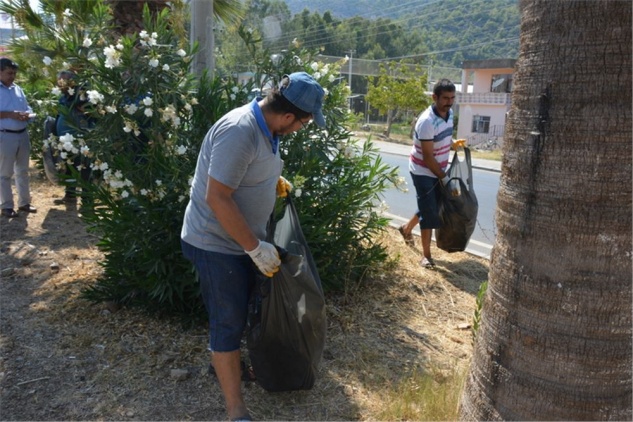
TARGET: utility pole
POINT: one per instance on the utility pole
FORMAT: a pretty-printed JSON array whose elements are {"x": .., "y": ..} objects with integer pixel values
[
  {"x": 351, "y": 54},
  {"x": 202, "y": 32}
]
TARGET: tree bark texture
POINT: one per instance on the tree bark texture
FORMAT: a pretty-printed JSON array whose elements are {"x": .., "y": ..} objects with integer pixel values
[{"x": 555, "y": 340}]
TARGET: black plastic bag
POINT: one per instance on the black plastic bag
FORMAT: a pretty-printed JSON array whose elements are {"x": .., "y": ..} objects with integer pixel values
[
  {"x": 458, "y": 213},
  {"x": 286, "y": 322}
]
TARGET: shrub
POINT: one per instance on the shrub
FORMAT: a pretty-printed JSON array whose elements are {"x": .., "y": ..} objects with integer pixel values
[{"x": 151, "y": 117}]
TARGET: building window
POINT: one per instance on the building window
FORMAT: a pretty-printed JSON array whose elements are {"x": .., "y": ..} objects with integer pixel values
[
  {"x": 481, "y": 124},
  {"x": 501, "y": 83}
]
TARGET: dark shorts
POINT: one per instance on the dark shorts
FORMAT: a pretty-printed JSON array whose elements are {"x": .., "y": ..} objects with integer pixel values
[
  {"x": 225, "y": 284},
  {"x": 428, "y": 191}
]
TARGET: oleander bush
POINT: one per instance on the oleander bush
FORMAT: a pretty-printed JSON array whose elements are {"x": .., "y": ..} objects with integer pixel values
[{"x": 150, "y": 116}]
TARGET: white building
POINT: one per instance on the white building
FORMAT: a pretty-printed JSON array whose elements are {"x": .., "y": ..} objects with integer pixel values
[{"x": 482, "y": 109}]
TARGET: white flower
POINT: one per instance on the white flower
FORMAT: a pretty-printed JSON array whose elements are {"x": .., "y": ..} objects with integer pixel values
[
  {"x": 63, "y": 155},
  {"x": 125, "y": 194},
  {"x": 181, "y": 198},
  {"x": 346, "y": 59},
  {"x": 131, "y": 108},
  {"x": 317, "y": 75},
  {"x": 232, "y": 96},
  {"x": 181, "y": 149},
  {"x": 65, "y": 65},
  {"x": 298, "y": 192},
  {"x": 112, "y": 57},
  {"x": 165, "y": 67},
  {"x": 94, "y": 97},
  {"x": 148, "y": 101},
  {"x": 111, "y": 109},
  {"x": 188, "y": 107},
  {"x": 143, "y": 192},
  {"x": 181, "y": 53},
  {"x": 331, "y": 78},
  {"x": 127, "y": 128},
  {"x": 87, "y": 42},
  {"x": 56, "y": 91},
  {"x": 148, "y": 112},
  {"x": 71, "y": 91},
  {"x": 235, "y": 89},
  {"x": 119, "y": 46},
  {"x": 66, "y": 138},
  {"x": 103, "y": 166},
  {"x": 47, "y": 60},
  {"x": 154, "y": 62},
  {"x": 67, "y": 12},
  {"x": 158, "y": 182},
  {"x": 85, "y": 151},
  {"x": 314, "y": 66}
]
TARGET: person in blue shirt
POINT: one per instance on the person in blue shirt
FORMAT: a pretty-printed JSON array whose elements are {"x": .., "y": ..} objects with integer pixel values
[
  {"x": 15, "y": 145},
  {"x": 72, "y": 119}
]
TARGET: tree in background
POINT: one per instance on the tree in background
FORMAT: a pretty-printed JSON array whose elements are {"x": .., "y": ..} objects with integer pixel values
[
  {"x": 398, "y": 90},
  {"x": 555, "y": 336},
  {"x": 150, "y": 118}
]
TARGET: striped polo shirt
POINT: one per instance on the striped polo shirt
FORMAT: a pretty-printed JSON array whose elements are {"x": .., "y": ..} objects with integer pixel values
[{"x": 431, "y": 126}]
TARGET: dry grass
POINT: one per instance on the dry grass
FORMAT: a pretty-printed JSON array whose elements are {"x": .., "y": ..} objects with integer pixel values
[{"x": 63, "y": 358}]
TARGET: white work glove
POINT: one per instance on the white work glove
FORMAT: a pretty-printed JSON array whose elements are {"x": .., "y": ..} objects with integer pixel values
[
  {"x": 451, "y": 185},
  {"x": 266, "y": 257}
]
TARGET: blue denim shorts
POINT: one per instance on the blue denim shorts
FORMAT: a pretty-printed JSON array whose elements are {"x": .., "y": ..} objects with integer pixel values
[
  {"x": 428, "y": 191},
  {"x": 225, "y": 284}
]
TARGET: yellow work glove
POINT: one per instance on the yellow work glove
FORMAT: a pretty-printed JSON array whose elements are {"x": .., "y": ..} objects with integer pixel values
[
  {"x": 460, "y": 143},
  {"x": 283, "y": 187}
]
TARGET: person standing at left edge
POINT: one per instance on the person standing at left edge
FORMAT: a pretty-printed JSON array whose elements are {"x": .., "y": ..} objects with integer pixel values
[{"x": 15, "y": 146}]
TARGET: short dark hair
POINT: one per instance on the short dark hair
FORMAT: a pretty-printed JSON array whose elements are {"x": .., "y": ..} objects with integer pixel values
[
  {"x": 6, "y": 62},
  {"x": 279, "y": 104},
  {"x": 443, "y": 85}
]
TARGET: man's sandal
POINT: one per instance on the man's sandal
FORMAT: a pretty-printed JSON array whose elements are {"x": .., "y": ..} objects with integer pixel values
[{"x": 408, "y": 238}]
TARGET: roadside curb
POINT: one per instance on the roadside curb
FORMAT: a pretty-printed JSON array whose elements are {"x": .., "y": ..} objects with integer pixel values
[{"x": 403, "y": 150}]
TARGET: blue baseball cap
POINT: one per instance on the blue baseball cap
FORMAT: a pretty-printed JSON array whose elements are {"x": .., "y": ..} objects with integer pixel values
[{"x": 305, "y": 93}]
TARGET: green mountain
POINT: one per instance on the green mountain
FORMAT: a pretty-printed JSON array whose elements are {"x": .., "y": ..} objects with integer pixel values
[{"x": 451, "y": 30}]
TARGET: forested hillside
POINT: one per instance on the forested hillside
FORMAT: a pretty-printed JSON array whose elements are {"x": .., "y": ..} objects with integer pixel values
[{"x": 451, "y": 30}]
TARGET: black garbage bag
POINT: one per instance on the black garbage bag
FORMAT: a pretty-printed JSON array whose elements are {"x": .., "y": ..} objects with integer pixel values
[
  {"x": 286, "y": 322},
  {"x": 458, "y": 213}
]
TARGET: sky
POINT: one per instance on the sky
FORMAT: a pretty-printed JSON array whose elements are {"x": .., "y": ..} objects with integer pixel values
[{"x": 5, "y": 20}]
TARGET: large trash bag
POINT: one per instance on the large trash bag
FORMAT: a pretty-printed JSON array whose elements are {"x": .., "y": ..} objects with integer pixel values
[
  {"x": 286, "y": 322},
  {"x": 49, "y": 159},
  {"x": 458, "y": 213}
]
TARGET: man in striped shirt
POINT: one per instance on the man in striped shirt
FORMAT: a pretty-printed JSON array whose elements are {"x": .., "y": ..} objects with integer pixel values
[{"x": 432, "y": 142}]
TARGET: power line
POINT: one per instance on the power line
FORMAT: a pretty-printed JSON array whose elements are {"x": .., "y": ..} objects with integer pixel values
[{"x": 327, "y": 39}]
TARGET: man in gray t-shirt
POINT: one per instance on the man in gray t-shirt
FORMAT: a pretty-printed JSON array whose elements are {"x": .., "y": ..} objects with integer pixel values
[{"x": 237, "y": 179}]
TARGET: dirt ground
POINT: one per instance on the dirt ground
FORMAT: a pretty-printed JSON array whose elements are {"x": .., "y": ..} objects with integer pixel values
[{"x": 63, "y": 358}]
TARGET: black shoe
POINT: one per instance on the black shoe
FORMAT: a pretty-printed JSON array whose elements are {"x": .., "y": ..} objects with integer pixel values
[
  {"x": 65, "y": 200},
  {"x": 9, "y": 213},
  {"x": 27, "y": 208}
]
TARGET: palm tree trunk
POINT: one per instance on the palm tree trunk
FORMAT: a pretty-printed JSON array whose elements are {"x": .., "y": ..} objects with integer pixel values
[
  {"x": 555, "y": 338},
  {"x": 128, "y": 15}
]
